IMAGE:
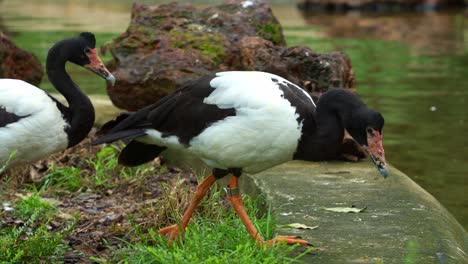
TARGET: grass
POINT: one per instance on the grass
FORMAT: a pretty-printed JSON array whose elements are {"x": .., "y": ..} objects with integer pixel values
[
  {"x": 3, "y": 167},
  {"x": 411, "y": 252},
  {"x": 32, "y": 241},
  {"x": 216, "y": 237},
  {"x": 50, "y": 214}
]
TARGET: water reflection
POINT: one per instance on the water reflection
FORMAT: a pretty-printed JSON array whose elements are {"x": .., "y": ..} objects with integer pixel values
[{"x": 426, "y": 33}]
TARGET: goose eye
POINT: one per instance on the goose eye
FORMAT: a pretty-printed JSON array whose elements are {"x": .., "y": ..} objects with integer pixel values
[
  {"x": 87, "y": 50},
  {"x": 369, "y": 131}
]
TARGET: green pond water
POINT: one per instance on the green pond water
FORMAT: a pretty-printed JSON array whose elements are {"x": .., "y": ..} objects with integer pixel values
[{"x": 412, "y": 68}]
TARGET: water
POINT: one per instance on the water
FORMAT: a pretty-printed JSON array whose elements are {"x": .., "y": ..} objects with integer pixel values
[{"x": 412, "y": 68}]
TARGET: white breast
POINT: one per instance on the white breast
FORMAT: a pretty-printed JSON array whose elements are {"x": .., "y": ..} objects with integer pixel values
[{"x": 37, "y": 135}]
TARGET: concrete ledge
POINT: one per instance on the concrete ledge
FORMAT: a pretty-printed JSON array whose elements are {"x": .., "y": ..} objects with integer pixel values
[{"x": 402, "y": 222}]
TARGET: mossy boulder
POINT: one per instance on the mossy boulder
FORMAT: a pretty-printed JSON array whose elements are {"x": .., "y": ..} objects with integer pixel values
[
  {"x": 169, "y": 44},
  {"x": 16, "y": 63}
]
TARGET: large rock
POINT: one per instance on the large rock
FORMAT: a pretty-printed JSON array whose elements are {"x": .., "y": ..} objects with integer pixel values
[
  {"x": 377, "y": 5},
  {"x": 16, "y": 63},
  {"x": 312, "y": 71},
  {"x": 169, "y": 44}
]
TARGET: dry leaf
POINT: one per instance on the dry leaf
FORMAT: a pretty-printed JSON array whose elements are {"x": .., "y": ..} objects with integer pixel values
[
  {"x": 346, "y": 209},
  {"x": 65, "y": 216},
  {"x": 299, "y": 226},
  {"x": 7, "y": 207}
]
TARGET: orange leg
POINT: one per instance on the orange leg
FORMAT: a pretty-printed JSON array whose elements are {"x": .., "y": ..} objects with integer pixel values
[
  {"x": 201, "y": 191},
  {"x": 236, "y": 201}
]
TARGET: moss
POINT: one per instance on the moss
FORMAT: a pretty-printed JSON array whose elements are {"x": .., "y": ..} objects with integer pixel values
[
  {"x": 211, "y": 45},
  {"x": 137, "y": 37},
  {"x": 214, "y": 51},
  {"x": 271, "y": 31},
  {"x": 157, "y": 20}
]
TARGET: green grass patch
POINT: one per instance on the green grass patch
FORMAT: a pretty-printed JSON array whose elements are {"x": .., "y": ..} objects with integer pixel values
[
  {"x": 39, "y": 228},
  {"x": 215, "y": 235},
  {"x": 411, "y": 252},
  {"x": 26, "y": 235},
  {"x": 32, "y": 242},
  {"x": 96, "y": 173},
  {"x": 33, "y": 204}
]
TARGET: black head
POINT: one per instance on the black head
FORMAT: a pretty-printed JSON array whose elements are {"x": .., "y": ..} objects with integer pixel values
[
  {"x": 365, "y": 126},
  {"x": 361, "y": 120},
  {"x": 80, "y": 50}
]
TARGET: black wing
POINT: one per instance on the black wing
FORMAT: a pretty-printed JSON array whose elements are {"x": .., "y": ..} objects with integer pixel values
[
  {"x": 182, "y": 114},
  {"x": 136, "y": 153},
  {"x": 8, "y": 118},
  {"x": 305, "y": 107}
]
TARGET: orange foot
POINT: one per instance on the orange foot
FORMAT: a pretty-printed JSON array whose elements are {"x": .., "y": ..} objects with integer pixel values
[
  {"x": 172, "y": 229},
  {"x": 290, "y": 240}
]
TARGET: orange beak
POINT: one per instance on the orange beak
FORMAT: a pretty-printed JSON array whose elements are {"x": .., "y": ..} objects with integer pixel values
[
  {"x": 98, "y": 67},
  {"x": 376, "y": 151}
]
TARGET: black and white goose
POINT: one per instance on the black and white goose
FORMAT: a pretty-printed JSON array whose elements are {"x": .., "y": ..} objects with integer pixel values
[
  {"x": 32, "y": 123},
  {"x": 240, "y": 122}
]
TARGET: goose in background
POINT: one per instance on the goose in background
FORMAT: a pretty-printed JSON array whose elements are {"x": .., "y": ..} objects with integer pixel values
[{"x": 33, "y": 124}]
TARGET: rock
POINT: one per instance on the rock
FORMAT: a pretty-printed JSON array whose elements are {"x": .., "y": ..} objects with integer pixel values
[
  {"x": 314, "y": 72},
  {"x": 16, "y": 63},
  {"x": 377, "y": 5},
  {"x": 169, "y": 44}
]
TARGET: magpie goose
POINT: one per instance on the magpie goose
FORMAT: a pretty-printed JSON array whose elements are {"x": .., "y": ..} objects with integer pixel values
[
  {"x": 248, "y": 122},
  {"x": 33, "y": 124}
]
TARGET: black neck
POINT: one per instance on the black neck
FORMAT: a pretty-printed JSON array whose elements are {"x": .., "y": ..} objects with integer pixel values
[
  {"x": 80, "y": 112},
  {"x": 322, "y": 134}
]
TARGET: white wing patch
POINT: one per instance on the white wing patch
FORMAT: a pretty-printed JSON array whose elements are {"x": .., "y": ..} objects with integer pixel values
[
  {"x": 263, "y": 133},
  {"x": 248, "y": 88},
  {"x": 37, "y": 135},
  {"x": 244, "y": 89},
  {"x": 155, "y": 137},
  {"x": 21, "y": 98}
]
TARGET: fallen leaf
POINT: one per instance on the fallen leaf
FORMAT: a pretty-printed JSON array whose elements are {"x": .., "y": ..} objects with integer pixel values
[
  {"x": 299, "y": 226},
  {"x": 309, "y": 217},
  {"x": 65, "y": 216},
  {"x": 7, "y": 207},
  {"x": 346, "y": 209},
  {"x": 23, "y": 196}
]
